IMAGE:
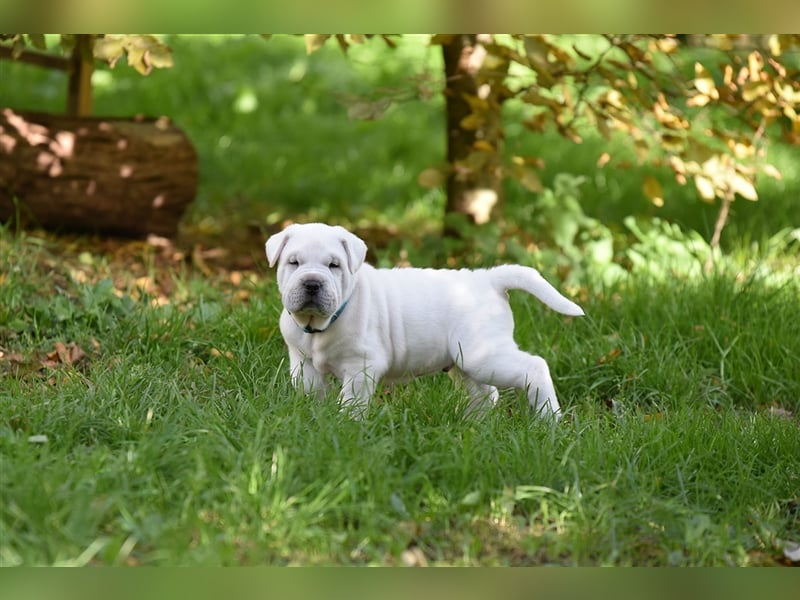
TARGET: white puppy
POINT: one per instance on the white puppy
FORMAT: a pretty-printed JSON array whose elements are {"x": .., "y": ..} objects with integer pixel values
[{"x": 363, "y": 325}]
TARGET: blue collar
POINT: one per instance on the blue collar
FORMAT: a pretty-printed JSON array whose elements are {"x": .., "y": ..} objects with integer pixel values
[{"x": 336, "y": 315}]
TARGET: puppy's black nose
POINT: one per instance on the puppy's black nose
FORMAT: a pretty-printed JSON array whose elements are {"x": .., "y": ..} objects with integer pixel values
[{"x": 312, "y": 287}]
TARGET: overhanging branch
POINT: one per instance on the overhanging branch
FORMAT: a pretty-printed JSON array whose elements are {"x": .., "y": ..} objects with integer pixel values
[{"x": 39, "y": 59}]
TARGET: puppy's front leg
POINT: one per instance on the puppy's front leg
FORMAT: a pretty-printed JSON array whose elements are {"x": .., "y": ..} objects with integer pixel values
[
  {"x": 304, "y": 374},
  {"x": 357, "y": 390}
]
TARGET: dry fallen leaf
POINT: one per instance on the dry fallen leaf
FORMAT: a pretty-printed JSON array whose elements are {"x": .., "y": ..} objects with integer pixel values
[
  {"x": 609, "y": 357},
  {"x": 776, "y": 411},
  {"x": 414, "y": 557},
  {"x": 14, "y": 357},
  {"x": 158, "y": 241},
  {"x": 64, "y": 354}
]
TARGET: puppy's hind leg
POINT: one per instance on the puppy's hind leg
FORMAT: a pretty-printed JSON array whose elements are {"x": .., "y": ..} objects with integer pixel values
[
  {"x": 482, "y": 397},
  {"x": 511, "y": 367},
  {"x": 540, "y": 389}
]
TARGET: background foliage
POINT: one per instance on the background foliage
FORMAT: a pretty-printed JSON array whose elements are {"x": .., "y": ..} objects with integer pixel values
[{"x": 247, "y": 103}]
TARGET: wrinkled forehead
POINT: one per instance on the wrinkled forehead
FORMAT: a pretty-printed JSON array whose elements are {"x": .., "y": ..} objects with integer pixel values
[{"x": 321, "y": 247}]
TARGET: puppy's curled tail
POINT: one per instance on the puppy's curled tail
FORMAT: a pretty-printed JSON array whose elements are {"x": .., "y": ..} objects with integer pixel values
[{"x": 517, "y": 277}]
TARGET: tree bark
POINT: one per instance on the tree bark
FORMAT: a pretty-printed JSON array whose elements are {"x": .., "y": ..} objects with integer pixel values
[
  {"x": 79, "y": 94},
  {"x": 473, "y": 101},
  {"x": 127, "y": 177}
]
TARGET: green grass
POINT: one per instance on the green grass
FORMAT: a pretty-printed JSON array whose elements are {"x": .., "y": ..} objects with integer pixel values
[
  {"x": 146, "y": 416},
  {"x": 178, "y": 439}
]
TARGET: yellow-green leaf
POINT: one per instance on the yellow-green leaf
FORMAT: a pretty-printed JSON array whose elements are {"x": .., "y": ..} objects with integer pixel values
[
  {"x": 160, "y": 56},
  {"x": 754, "y": 89},
  {"x": 483, "y": 146},
  {"x": 653, "y": 190},
  {"x": 441, "y": 39},
  {"x": 471, "y": 121},
  {"x": 136, "y": 58},
  {"x": 772, "y": 171},
  {"x": 315, "y": 41},
  {"x": 431, "y": 178},
  {"x": 667, "y": 45},
  {"x": 536, "y": 48},
  {"x": 535, "y": 98},
  {"x": 744, "y": 187},
  {"x": 527, "y": 177},
  {"x": 475, "y": 160},
  {"x": 705, "y": 187},
  {"x": 704, "y": 82},
  {"x": 368, "y": 111},
  {"x": 698, "y": 100},
  {"x": 109, "y": 48},
  {"x": 530, "y": 180},
  {"x": 38, "y": 40},
  {"x": 672, "y": 143}
]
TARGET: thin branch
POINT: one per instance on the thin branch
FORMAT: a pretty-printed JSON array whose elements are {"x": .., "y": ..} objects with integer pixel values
[{"x": 39, "y": 59}]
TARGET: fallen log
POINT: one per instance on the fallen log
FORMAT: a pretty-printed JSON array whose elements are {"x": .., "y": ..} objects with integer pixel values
[{"x": 119, "y": 176}]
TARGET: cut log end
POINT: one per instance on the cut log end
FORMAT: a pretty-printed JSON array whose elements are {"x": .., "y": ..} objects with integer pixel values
[{"x": 118, "y": 176}]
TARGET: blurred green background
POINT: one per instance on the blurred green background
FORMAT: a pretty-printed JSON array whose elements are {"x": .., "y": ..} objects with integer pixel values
[{"x": 275, "y": 142}]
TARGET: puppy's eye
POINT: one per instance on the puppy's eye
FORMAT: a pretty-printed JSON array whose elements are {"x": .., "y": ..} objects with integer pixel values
[
  {"x": 292, "y": 261},
  {"x": 333, "y": 265}
]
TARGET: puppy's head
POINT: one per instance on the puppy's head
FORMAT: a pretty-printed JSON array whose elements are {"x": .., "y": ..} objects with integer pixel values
[{"x": 316, "y": 268}]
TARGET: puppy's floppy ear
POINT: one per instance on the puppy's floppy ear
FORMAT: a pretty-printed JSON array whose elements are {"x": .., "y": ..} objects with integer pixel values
[
  {"x": 355, "y": 247},
  {"x": 274, "y": 246}
]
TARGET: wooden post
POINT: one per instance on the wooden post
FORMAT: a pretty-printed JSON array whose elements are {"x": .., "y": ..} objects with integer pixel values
[{"x": 79, "y": 95}]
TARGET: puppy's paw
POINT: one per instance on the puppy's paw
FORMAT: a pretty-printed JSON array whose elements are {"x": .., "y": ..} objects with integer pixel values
[{"x": 353, "y": 409}]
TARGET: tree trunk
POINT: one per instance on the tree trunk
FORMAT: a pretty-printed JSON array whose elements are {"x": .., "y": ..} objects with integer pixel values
[
  {"x": 79, "y": 94},
  {"x": 473, "y": 99},
  {"x": 126, "y": 177}
]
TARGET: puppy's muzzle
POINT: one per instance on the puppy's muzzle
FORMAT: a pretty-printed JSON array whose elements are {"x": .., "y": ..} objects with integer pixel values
[
  {"x": 312, "y": 287},
  {"x": 311, "y": 295}
]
